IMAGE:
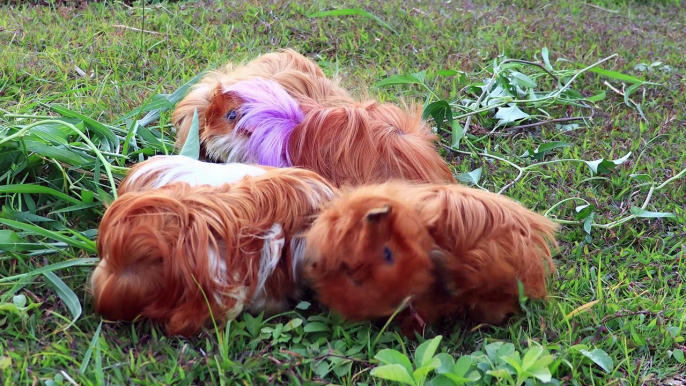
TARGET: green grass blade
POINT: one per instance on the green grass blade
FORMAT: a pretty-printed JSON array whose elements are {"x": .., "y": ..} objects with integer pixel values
[
  {"x": 89, "y": 352},
  {"x": 83, "y": 262},
  {"x": 352, "y": 12},
  {"x": 38, "y": 189},
  {"x": 92, "y": 125},
  {"x": 192, "y": 146},
  {"x": 50, "y": 234},
  {"x": 67, "y": 296}
]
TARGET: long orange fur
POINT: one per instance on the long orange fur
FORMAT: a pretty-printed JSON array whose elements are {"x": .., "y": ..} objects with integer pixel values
[
  {"x": 343, "y": 140},
  {"x": 455, "y": 250},
  {"x": 166, "y": 253},
  {"x": 300, "y": 76}
]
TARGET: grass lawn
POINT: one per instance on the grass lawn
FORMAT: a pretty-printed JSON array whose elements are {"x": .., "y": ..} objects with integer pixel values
[{"x": 109, "y": 70}]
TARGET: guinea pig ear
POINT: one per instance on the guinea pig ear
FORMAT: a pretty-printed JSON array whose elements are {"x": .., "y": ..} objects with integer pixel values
[
  {"x": 437, "y": 256},
  {"x": 378, "y": 214}
]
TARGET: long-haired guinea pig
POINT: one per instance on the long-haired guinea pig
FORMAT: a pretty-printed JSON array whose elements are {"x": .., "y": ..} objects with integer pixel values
[
  {"x": 456, "y": 251},
  {"x": 299, "y": 76},
  {"x": 351, "y": 143},
  {"x": 285, "y": 112},
  {"x": 181, "y": 254}
]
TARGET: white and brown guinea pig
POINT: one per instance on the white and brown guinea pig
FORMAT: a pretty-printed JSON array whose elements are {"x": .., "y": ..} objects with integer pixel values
[{"x": 184, "y": 253}]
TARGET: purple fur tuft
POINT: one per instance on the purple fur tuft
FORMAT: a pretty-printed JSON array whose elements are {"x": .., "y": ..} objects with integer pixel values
[{"x": 269, "y": 114}]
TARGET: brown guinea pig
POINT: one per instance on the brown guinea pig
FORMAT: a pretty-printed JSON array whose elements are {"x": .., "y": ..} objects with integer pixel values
[{"x": 455, "y": 250}]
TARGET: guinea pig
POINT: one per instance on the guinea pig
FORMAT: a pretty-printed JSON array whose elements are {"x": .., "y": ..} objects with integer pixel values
[
  {"x": 183, "y": 254},
  {"x": 350, "y": 143},
  {"x": 296, "y": 74},
  {"x": 454, "y": 250}
]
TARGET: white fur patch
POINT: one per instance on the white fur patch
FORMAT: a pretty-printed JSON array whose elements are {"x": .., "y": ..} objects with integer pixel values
[
  {"x": 179, "y": 168},
  {"x": 217, "y": 267},
  {"x": 231, "y": 148},
  {"x": 219, "y": 274},
  {"x": 241, "y": 296},
  {"x": 269, "y": 258},
  {"x": 297, "y": 255}
]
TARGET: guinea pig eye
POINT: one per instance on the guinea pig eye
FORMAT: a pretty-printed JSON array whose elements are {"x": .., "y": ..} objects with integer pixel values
[
  {"x": 387, "y": 255},
  {"x": 231, "y": 115}
]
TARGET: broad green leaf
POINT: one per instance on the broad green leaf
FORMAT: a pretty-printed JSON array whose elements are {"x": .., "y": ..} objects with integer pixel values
[
  {"x": 425, "y": 352},
  {"x": 68, "y": 296},
  {"x": 400, "y": 79},
  {"x": 542, "y": 373},
  {"x": 678, "y": 354},
  {"x": 456, "y": 379},
  {"x": 192, "y": 146},
  {"x": 507, "y": 115},
  {"x": 597, "y": 97},
  {"x": 600, "y": 166},
  {"x": 421, "y": 373},
  {"x": 352, "y": 12},
  {"x": 87, "y": 196},
  {"x": 546, "y": 60},
  {"x": 543, "y": 361},
  {"x": 447, "y": 72},
  {"x": 37, "y": 189},
  {"x": 600, "y": 358},
  {"x": 10, "y": 237},
  {"x": 343, "y": 369},
  {"x": 19, "y": 300},
  {"x": 522, "y": 80},
  {"x": 540, "y": 152},
  {"x": 443, "y": 380},
  {"x": 471, "y": 178},
  {"x": 395, "y": 373},
  {"x": 292, "y": 324},
  {"x": 5, "y": 363},
  {"x": 515, "y": 362},
  {"x": 588, "y": 222},
  {"x": 315, "y": 327},
  {"x": 303, "y": 305},
  {"x": 322, "y": 369},
  {"x": 390, "y": 357},
  {"x": 500, "y": 373},
  {"x": 507, "y": 350},
  {"x": 582, "y": 211},
  {"x": 673, "y": 331},
  {"x": 84, "y": 262},
  {"x": 621, "y": 160},
  {"x": 447, "y": 363},
  {"x": 647, "y": 214},
  {"x": 457, "y": 133},
  {"x": 440, "y": 111},
  {"x": 474, "y": 376},
  {"x": 530, "y": 357},
  {"x": 462, "y": 366},
  {"x": 89, "y": 352},
  {"x": 568, "y": 127},
  {"x": 641, "y": 177}
]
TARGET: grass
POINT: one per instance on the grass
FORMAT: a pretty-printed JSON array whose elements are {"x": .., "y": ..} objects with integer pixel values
[{"x": 617, "y": 310}]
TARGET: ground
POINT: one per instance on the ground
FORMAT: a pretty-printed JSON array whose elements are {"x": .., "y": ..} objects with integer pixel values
[{"x": 616, "y": 313}]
